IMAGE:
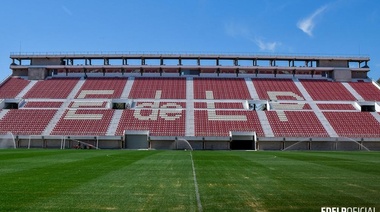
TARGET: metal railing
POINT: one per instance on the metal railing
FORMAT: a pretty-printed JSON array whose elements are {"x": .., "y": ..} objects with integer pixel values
[{"x": 191, "y": 53}]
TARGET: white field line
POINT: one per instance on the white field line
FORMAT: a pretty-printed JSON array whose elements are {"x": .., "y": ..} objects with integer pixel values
[{"x": 200, "y": 209}]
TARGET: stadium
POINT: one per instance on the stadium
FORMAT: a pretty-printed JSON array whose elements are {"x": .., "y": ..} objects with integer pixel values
[
  {"x": 54, "y": 106},
  {"x": 190, "y": 101}
]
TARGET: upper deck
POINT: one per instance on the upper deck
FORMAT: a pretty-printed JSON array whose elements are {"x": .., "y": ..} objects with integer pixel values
[{"x": 341, "y": 68}]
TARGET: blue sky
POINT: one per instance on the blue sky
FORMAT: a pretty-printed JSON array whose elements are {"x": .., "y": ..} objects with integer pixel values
[{"x": 338, "y": 27}]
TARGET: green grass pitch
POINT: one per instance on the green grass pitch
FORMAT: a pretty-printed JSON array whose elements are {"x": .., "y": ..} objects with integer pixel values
[{"x": 123, "y": 180}]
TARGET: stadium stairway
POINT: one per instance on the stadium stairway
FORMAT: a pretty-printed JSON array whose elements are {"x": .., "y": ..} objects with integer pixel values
[
  {"x": 251, "y": 88},
  {"x": 302, "y": 89},
  {"x": 189, "y": 122},
  {"x": 375, "y": 84},
  {"x": 376, "y": 116},
  {"x": 76, "y": 89},
  {"x": 189, "y": 88},
  {"x": 26, "y": 89},
  {"x": 325, "y": 123},
  {"x": 127, "y": 88},
  {"x": 268, "y": 132},
  {"x": 3, "y": 113},
  {"x": 352, "y": 91},
  {"x": 111, "y": 131},
  {"x": 49, "y": 128}
]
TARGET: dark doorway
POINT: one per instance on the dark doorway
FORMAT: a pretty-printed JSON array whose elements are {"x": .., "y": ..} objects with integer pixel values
[{"x": 241, "y": 145}]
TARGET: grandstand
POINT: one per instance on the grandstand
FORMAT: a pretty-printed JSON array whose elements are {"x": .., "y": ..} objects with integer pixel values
[{"x": 214, "y": 101}]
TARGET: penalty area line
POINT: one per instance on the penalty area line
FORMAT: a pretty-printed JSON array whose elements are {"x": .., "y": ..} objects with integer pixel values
[{"x": 196, "y": 185}]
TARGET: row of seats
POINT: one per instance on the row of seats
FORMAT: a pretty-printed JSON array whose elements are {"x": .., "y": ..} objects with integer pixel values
[
  {"x": 92, "y": 104},
  {"x": 291, "y": 106},
  {"x": 336, "y": 106},
  {"x": 220, "y": 105},
  {"x": 41, "y": 104},
  {"x": 160, "y": 104}
]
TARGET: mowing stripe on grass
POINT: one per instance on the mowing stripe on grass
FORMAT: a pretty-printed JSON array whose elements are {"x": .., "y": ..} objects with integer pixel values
[{"x": 196, "y": 185}]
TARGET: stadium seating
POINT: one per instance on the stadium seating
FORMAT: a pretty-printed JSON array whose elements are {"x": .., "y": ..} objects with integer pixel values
[
  {"x": 221, "y": 122},
  {"x": 267, "y": 88},
  {"x": 161, "y": 106},
  {"x": 354, "y": 124},
  {"x": 84, "y": 122},
  {"x": 12, "y": 87},
  {"x": 26, "y": 121},
  {"x": 41, "y": 104},
  {"x": 321, "y": 90},
  {"x": 223, "y": 88},
  {"x": 92, "y": 104},
  {"x": 296, "y": 124},
  {"x": 146, "y": 88},
  {"x": 102, "y": 88},
  {"x": 336, "y": 106},
  {"x": 169, "y": 122},
  {"x": 55, "y": 88},
  {"x": 367, "y": 90},
  {"x": 220, "y": 105},
  {"x": 291, "y": 106}
]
